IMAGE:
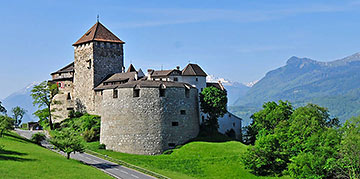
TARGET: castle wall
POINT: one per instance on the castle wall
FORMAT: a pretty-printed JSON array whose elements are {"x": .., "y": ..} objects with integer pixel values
[
  {"x": 65, "y": 105},
  {"x": 144, "y": 125}
]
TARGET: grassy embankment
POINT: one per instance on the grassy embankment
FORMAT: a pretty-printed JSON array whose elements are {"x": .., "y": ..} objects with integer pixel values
[
  {"x": 193, "y": 160},
  {"x": 21, "y": 158}
]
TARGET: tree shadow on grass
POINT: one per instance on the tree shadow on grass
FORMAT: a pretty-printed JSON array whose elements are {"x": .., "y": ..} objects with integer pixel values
[
  {"x": 13, "y": 156},
  {"x": 9, "y": 152}
]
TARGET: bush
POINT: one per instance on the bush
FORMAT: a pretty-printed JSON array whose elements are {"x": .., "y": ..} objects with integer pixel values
[
  {"x": 89, "y": 135},
  {"x": 87, "y": 126},
  {"x": 168, "y": 152},
  {"x": 38, "y": 137},
  {"x": 102, "y": 146}
]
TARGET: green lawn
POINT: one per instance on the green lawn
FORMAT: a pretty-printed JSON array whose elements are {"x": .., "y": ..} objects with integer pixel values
[
  {"x": 193, "y": 160},
  {"x": 23, "y": 159}
]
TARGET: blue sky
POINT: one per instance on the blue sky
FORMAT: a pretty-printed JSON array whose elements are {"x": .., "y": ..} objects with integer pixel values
[{"x": 237, "y": 40}]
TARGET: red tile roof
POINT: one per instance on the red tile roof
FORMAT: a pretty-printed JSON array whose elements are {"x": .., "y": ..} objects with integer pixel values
[{"x": 100, "y": 33}]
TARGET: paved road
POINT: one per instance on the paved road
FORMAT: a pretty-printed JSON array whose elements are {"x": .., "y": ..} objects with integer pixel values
[{"x": 108, "y": 167}]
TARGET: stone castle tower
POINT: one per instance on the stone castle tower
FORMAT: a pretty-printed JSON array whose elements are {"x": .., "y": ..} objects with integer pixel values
[{"x": 98, "y": 54}]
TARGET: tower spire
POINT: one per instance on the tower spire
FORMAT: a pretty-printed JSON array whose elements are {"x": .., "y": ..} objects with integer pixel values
[{"x": 97, "y": 18}]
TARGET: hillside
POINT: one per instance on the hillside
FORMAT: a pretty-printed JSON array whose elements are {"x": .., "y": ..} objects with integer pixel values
[
  {"x": 23, "y": 159},
  {"x": 330, "y": 84},
  {"x": 23, "y": 99},
  {"x": 193, "y": 160}
]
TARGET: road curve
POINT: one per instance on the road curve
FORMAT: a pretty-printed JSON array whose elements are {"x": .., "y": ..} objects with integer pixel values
[{"x": 112, "y": 169}]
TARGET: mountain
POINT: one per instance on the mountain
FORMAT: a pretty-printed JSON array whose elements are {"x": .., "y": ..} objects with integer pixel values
[
  {"x": 23, "y": 99},
  {"x": 334, "y": 85},
  {"x": 235, "y": 90}
]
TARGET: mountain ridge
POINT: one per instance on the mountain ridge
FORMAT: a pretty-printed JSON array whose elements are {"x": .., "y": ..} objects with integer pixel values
[{"x": 304, "y": 80}]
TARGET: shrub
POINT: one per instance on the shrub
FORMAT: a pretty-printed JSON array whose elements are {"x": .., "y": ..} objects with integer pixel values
[
  {"x": 38, "y": 137},
  {"x": 102, "y": 146},
  {"x": 89, "y": 135}
]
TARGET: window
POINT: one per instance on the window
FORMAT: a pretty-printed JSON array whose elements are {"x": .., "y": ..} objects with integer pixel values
[
  {"x": 68, "y": 96},
  {"x": 201, "y": 89},
  {"x": 187, "y": 93},
  {"x": 115, "y": 93},
  {"x": 136, "y": 93},
  {"x": 233, "y": 124},
  {"x": 175, "y": 123},
  {"x": 70, "y": 109},
  {"x": 202, "y": 118},
  {"x": 171, "y": 145},
  {"x": 162, "y": 92},
  {"x": 196, "y": 79},
  {"x": 182, "y": 112},
  {"x": 89, "y": 64},
  {"x": 176, "y": 79}
]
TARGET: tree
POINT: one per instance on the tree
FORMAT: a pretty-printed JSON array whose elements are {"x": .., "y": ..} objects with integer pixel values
[
  {"x": 43, "y": 115},
  {"x": 18, "y": 114},
  {"x": 349, "y": 154},
  {"x": 6, "y": 124},
  {"x": 38, "y": 138},
  {"x": 68, "y": 142},
  {"x": 43, "y": 95},
  {"x": 213, "y": 102},
  {"x": 267, "y": 119},
  {"x": 303, "y": 142},
  {"x": 2, "y": 109}
]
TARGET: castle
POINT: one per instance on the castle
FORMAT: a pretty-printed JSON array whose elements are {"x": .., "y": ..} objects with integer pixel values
[{"x": 141, "y": 114}]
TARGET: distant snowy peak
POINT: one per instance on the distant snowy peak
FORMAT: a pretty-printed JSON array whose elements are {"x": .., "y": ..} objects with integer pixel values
[
  {"x": 225, "y": 82},
  {"x": 251, "y": 84},
  {"x": 24, "y": 90}
]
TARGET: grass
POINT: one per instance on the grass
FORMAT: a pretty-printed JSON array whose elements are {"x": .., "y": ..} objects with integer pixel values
[
  {"x": 193, "y": 160},
  {"x": 21, "y": 158}
]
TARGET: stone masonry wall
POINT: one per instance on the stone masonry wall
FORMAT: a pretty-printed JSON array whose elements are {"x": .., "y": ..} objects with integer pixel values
[
  {"x": 93, "y": 62},
  {"x": 61, "y": 111},
  {"x": 143, "y": 125},
  {"x": 84, "y": 76}
]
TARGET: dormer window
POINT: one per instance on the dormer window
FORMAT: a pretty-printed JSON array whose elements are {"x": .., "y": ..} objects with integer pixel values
[
  {"x": 115, "y": 93},
  {"x": 136, "y": 93},
  {"x": 162, "y": 92},
  {"x": 197, "y": 79},
  {"x": 187, "y": 93}
]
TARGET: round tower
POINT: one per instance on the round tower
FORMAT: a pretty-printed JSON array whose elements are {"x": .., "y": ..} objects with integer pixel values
[{"x": 149, "y": 117}]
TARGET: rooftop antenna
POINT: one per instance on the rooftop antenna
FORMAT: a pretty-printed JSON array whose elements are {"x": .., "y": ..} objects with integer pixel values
[
  {"x": 161, "y": 67},
  {"x": 97, "y": 18}
]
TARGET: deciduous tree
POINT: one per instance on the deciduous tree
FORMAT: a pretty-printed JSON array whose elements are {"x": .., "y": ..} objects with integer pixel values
[
  {"x": 213, "y": 102},
  {"x": 68, "y": 142},
  {"x": 43, "y": 95},
  {"x": 6, "y": 124},
  {"x": 18, "y": 113}
]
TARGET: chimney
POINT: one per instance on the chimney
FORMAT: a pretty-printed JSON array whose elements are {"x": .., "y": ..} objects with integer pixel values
[
  {"x": 150, "y": 71},
  {"x": 136, "y": 76}
]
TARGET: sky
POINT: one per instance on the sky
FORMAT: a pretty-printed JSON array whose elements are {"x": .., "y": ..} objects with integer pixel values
[{"x": 237, "y": 40}]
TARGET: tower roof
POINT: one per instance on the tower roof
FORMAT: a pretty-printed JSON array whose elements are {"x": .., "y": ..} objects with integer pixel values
[
  {"x": 100, "y": 33},
  {"x": 131, "y": 68},
  {"x": 193, "y": 70}
]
